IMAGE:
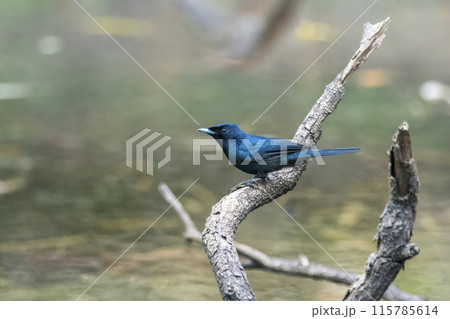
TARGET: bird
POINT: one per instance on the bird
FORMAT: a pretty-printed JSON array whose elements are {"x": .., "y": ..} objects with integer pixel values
[{"x": 260, "y": 155}]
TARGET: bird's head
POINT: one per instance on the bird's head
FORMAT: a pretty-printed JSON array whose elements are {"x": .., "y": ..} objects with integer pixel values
[{"x": 224, "y": 131}]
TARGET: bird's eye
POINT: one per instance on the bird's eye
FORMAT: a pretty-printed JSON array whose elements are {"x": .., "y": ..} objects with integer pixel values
[{"x": 224, "y": 130}]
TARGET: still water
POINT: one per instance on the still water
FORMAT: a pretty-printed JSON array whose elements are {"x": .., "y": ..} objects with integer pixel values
[{"x": 73, "y": 207}]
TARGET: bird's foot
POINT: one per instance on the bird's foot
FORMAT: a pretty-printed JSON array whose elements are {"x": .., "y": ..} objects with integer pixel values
[{"x": 253, "y": 183}]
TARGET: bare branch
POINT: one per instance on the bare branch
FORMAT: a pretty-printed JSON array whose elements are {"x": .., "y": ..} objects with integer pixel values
[
  {"x": 257, "y": 259},
  {"x": 243, "y": 39},
  {"x": 396, "y": 223},
  {"x": 190, "y": 231},
  {"x": 231, "y": 210},
  {"x": 252, "y": 35}
]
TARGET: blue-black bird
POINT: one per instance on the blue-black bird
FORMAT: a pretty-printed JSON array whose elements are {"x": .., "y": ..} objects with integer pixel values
[{"x": 260, "y": 155}]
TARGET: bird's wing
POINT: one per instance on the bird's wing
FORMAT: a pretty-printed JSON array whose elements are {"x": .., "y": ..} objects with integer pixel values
[{"x": 280, "y": 147}]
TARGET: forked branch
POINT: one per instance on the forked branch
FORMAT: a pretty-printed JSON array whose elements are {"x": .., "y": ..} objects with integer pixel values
[
  {"x": 231, "y": 210},
  {"x": 297, "y": 267}
]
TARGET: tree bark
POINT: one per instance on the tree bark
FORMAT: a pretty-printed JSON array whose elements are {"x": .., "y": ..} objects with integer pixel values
[
  {"x": 298, "y": 267},
  {"x": 396, "y": 223},
  {"x": 231, "y": 210}
]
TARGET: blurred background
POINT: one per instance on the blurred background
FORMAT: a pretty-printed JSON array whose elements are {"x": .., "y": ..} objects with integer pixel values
[{"x": 70, "y": 98}]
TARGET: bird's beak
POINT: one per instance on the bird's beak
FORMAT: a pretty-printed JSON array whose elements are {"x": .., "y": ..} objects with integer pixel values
[{"x": 207, "y": 131}]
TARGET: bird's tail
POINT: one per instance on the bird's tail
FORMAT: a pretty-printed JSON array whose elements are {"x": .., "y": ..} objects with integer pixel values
[{"x": 332, "y": 151}]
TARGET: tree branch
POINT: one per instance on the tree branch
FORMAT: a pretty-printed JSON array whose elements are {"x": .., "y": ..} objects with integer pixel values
[
  {"x": 231, "y": 210},
  {"x": 245, "y": 38},
  {"x": 257, "y": 259},
  {"x": 396, "y": 223}
]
